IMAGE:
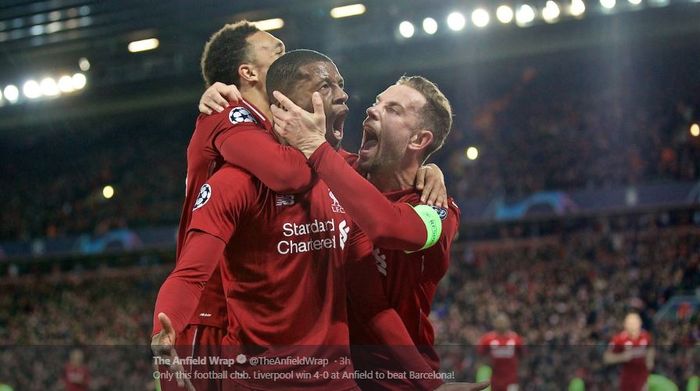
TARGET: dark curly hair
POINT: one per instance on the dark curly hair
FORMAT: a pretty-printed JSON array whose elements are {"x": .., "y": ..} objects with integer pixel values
[{"x": 225, "y": 51}]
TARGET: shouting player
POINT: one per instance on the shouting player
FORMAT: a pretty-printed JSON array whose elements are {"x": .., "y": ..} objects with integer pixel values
[
  {"x": 505, "y": 348},
  {"x": 631, "y": 348},
  {"x": 409, "y": 121}
]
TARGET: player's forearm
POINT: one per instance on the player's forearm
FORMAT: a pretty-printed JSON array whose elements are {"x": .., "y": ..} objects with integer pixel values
[
  {"x": 388, "y": 225},
  {"x": 281, "y": 168},
  {"x": 613, "y": 358},
  {"x": 390, "y": 330},
  {"x": 180, "y": 293}
]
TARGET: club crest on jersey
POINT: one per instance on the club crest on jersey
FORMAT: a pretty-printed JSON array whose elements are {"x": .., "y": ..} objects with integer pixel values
[
  {"x": 203, "y": 197},
  {"x": 240, "y": 114},
  {"x": 335, "y": 207},
  {"x": 442, "y": 212},
  {"x": 284, "y": 199}
]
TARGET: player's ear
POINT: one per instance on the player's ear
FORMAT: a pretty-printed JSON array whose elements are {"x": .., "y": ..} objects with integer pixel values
[
  {"x": 420, "y": 140},
  {"x": 248, "y": 73}
]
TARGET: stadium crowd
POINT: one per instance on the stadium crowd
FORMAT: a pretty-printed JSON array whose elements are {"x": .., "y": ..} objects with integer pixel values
[
  {"x": 566, "y": 294},
  {"x": 551, "y": 129}
]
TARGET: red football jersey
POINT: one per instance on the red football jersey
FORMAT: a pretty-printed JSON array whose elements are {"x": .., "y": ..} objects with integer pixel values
[
  {"x": 390, "y": 289},
  {"x": 283, "y": 275},
  {"x": 76, "y": 378},
  {"x": 634, "y": 373},
  {"x": 505, "y": 351},
  {"x": 407, "y": 281},
  {"x": 241, "y": 136}
]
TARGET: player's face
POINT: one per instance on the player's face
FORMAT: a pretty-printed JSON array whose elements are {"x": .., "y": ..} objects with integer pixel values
[
  {"x": 264, "y": 49},
  {"x": 391, "y": 123},
  {"x": 633, "y": 324},
  {"x": 324, "y": 78}
]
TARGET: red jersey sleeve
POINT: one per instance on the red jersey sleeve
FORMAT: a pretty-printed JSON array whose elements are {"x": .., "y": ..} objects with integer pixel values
[
  {"x": 218, "y": 208},
  {"x": 281, "y": 168},
  {"x": 393, "y": 226},
  {"x": 179, "y": 295}
]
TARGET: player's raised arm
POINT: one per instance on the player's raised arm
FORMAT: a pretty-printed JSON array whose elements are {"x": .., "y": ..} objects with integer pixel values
[
  {"x": 389, "y": 225},
  {"x": 217, "y": 97},
  {"x": 281, "y": 168}
]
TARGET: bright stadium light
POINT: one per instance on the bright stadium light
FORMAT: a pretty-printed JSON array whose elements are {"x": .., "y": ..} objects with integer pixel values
[
  {"x": 31, "y": 89},
  {"x": 472, "y": 153},
  {"x": 635, "y": 2},
  {"x": 108, "y": 192},
  {"x": 406, "y": 29},
  {"x": 480, "y": 17},
  {"x": 608, "y": 4},
  {"x": 430, "y": 26},
  {"x": 525, "y": 15},
  {"x": 269, "y": 24},
  {"x": 348, "y": 10},
  {"x": 79, "y": 80},
  {"x": 695, "y": 130},
  {"x": 143, "y": 45},
  {"x": 49, "y": 87},
  {"x": 577, "y": 8},
  {"x": 65, "y": 84},
  {"x": 11, "y": 93},
  {"x": 456, "y": 21},
  {"x": 84, "y": 64},
  {"x": 504, "y": 14},
  {"x": 550, "y": 12}
]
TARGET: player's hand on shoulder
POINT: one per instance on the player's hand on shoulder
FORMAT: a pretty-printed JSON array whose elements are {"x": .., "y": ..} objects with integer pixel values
[
  {"x": 431, "y": 181},
  {"x": 463, "y": 386},
  {"x": 217, "y": 97}
]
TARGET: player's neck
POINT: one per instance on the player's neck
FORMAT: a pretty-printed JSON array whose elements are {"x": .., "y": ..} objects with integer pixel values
[
  {"x": 258, "y": 99},
  {"x": 388, "y": 179}
]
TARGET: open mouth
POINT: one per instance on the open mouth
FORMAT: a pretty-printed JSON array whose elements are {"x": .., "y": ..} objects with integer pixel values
[
  {"x": 339, "y": 124},
  {"x": 369, "y": 139}
]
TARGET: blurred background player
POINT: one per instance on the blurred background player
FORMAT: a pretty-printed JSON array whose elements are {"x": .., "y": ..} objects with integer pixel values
[
  {"x": 76, "y": 375},
  {"x": 505, "y": 349},
  {"x": 631, "y": 348}
]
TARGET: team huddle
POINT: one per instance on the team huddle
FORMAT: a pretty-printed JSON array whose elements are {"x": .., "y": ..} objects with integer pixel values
[{"x": 301, "y": 265}]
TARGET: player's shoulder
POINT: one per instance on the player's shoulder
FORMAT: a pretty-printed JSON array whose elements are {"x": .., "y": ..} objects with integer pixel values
[
  {"x": 236, "y": 115},
  {"x": 619, "y": 337},
  {"x": 226, "y": 184},
  {"x": 228, "y": 173},
  {"x": 489, "y": 336}
]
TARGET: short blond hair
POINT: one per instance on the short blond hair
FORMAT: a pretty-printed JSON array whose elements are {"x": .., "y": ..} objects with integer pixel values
[{"x": 436, "y": 113}]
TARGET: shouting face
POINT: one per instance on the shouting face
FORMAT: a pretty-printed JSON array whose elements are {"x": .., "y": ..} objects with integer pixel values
[
  {"x": 323, "y": 77},
  {"x": 391, "y": 124}
]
